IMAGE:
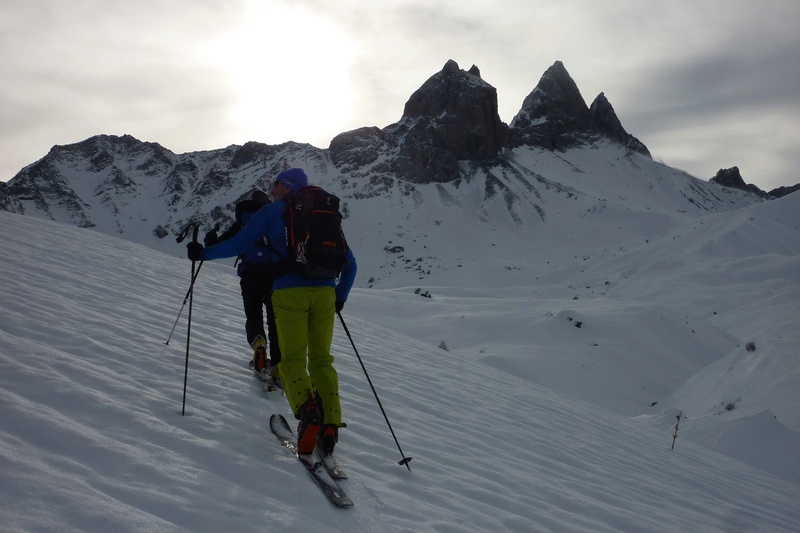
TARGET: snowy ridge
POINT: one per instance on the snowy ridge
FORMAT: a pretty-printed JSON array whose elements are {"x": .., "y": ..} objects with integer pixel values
[
  {"x": 145, "y": 193},
  {"x": 91, "y": 436}
]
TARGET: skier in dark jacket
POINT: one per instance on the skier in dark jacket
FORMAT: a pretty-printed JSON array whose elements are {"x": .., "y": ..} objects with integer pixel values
[{"x": 256, "y": 278}]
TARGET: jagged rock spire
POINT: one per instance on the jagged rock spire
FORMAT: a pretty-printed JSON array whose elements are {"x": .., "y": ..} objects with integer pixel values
[
  {"x": 731, "y": 177},
  {"x": 452, "y": 117},
  {"x": 554, "y": 115},
  {"x": 463, "y": 109},
  {"x": 606, "y": 120}
]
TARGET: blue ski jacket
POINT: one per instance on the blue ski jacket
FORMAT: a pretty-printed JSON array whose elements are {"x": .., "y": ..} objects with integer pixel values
[{"x": 268, "y": 222}]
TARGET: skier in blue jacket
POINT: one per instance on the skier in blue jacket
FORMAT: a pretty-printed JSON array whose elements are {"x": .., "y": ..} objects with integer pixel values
[
  {"x": 256, "y": 275},
  {"x": 304, "y": 314}
]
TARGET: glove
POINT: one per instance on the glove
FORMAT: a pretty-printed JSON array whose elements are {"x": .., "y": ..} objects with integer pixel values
[
  {"x": 339, "y": 306},
  {"x": 211, "y": 238},
  {"x": 194, "y": 251}
]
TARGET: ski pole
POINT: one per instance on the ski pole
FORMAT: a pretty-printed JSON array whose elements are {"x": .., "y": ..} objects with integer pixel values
[
  {"x": 185, "y": 299},
  {"x": 405, "y": 460},
  {"x": 181, "y": 236},
  {"x": 189, "y": 327}
]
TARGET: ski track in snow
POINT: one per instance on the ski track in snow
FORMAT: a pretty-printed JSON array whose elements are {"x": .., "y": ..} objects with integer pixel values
[{"x": 92, "y": 437}]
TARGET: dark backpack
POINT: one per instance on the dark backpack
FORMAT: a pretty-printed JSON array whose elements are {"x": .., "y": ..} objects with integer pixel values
[
  {"x": 244, "y": 210},
  {"x": 314, "y": 237}
]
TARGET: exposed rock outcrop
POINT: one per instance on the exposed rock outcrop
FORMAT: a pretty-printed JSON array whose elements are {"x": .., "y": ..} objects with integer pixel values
[
  {"x": 779, "y": 192},
  {"x": 5, "y": 199},
  {"x": 554, "y": 115},
  {"x": 463, "y": 110},
  {"x": 451, "y": 117},
  {"x": 730, "y": 177},
  {"x": 605, "y": 118}
]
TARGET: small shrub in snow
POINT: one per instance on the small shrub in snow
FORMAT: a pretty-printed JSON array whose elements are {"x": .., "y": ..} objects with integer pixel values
[{"x": 728, "y": 406}]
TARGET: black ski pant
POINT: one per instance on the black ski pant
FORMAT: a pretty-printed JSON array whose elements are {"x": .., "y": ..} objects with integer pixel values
[{"x": 257, "y": 294}]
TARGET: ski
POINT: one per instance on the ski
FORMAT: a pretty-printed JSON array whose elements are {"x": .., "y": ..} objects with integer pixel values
[
  {"x": 265, "y": 377},
  {"x": 313, "y": 463},
  {"x": 333, "y": 468}
]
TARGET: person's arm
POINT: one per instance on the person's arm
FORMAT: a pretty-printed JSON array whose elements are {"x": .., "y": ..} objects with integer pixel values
[
  {"x": 256, "y": 227},
  {"x": 347, "y": 277},
  {"x": 228, "y": 233}
]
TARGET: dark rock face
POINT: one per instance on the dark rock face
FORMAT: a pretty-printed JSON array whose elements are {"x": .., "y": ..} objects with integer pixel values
[
  {"x": 45, "y": 189},
  {"x": 730, "y": 177},
  {"x": 609, "y": 125},
  {"x": 780, "y": 192},
  {"x": 421, "y": 155},
  {"x": 249, "y": 153},
  {"x": 358, "y": 148},
  {"x": 109, "y": 159},
  {"x": 80, "y": 183},
  {"x": 554, "y": 115},
  {"x": 5, "y": 198},
  {"x": 463, "y": 110},
  {"x": 451, "y": 117}
]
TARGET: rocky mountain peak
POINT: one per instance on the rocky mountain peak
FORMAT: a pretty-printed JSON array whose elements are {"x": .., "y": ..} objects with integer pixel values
[
  {"x": 102, "y": 152},
  {"x": 554, "y": 115},
  {"x": 445, "y": 92},
  {"x": 606, "y": 120},
  {"x": 452, "y": 117},
  {"x": 462, "y": 109},
  {"x": 731, "y": 177}
]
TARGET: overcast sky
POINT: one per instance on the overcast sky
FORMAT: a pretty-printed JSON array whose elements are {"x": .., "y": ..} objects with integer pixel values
[{"x": 705, "y": 84}]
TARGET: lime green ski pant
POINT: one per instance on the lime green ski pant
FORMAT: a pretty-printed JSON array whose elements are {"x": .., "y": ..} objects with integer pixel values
[{"x": 304, "y": 318}]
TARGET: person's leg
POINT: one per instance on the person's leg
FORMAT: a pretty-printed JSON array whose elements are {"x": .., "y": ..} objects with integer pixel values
[
  {"x": 320, "y": 361},
  {"x": 291, "y": 318},
  {"x": 252, "y": 301},
  {"x": 272, "y": 329}
]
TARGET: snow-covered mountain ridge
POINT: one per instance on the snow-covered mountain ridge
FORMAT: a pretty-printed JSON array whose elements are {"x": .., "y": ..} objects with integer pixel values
[
  {"x": 524, "y": 195},
  {"x": 449, "y": 162}
]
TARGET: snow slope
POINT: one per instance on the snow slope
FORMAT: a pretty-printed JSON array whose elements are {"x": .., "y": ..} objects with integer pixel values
[{"x": 509, "y": 427}]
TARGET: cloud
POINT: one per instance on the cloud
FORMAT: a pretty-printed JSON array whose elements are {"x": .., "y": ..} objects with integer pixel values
[
  {"x": 204, "y": 74},
  {"x": 80, "y": 69},
  {"x": 730, "y": 105}
]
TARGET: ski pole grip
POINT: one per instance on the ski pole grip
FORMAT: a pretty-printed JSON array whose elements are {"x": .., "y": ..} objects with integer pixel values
[{"x": 195, "y": 231}]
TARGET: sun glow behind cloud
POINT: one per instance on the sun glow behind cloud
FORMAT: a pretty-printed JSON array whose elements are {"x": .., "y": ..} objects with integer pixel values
[
  {"x": 203, "y": 75},
  {"x": 286, "y": 68}
]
